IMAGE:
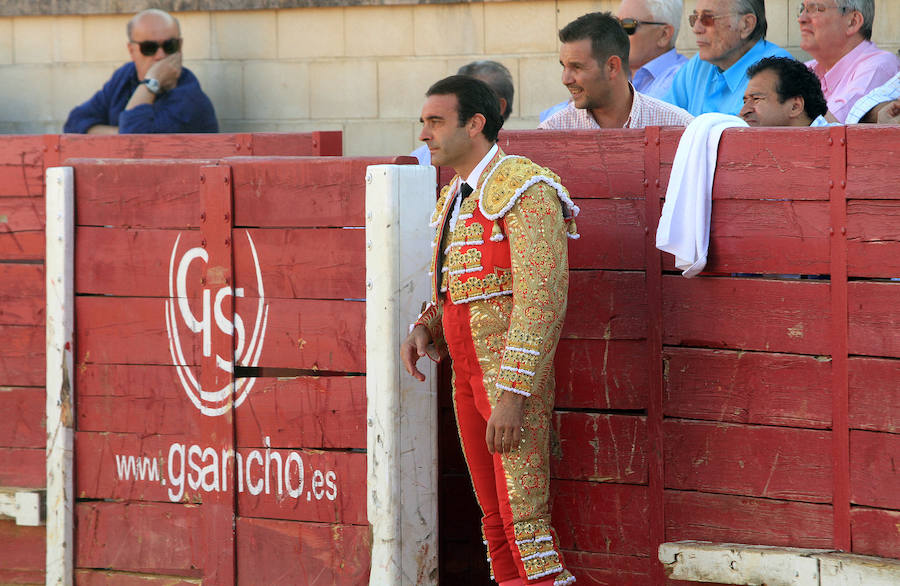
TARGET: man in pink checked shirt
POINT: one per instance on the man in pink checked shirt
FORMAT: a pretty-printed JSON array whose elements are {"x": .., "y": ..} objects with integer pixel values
[
  {"x": 837, "y": 34},
  {"x": 594, "y": 59}
]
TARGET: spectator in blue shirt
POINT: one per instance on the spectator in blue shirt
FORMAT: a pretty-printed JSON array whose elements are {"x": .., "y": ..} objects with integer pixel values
[
  {"x": 153, "y": 93},
  {"x": 730, "y": 38}
]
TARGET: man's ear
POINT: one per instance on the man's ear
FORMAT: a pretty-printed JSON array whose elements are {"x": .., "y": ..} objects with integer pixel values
[
  {"x": 854, "y": 25},
  {"x": 613, "y": 65},
  {"x": 747, "y": 25},
  {"x": 475, "y": 125},
  {"x": 798, "y": 106},
  {"x": 665, "y": 38}
]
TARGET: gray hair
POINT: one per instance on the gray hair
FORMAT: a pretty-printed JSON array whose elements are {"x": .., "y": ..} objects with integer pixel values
[
  {"x": 667, "y": 11},
  {"x": 155, "y": 12},
  {"x": 758, "y": 9},
  {"x": 496, "y": 75},
  {"x": 864, "y": 7}
]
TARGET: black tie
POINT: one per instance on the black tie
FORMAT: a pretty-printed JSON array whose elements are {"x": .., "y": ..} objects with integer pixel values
[{"x": 465, "y": 190}]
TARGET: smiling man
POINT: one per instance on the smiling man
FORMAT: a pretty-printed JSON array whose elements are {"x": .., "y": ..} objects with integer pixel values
[
  {"x": 151, "y": 94},
  {"x": 594, "y": 60},
  {"x": 730, "y": 38},
  {"x": 500, "y": 281},
  {"x": 837, "y": 33}
]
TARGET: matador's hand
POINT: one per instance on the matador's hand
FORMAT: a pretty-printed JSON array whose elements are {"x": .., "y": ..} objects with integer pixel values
[
  {"x": 414, "y": 347},
  {"x": 504, "y": 428}
]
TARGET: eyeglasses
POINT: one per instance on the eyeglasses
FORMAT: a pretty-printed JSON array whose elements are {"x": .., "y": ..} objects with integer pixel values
[
  {"x": 813, "y": 9},
  {"x": 706, "y": 18},
  {"x": 631, "y": 24},
  {"x": 149, "y": 48}
]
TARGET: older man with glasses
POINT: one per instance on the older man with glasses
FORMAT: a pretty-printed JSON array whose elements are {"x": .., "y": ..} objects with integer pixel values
[
  {"x": 731, "y": 36},
  {"x": 652, "y": 27},
  {"x": 837, "y": 34},
  {"x": 151, "y": 94}
]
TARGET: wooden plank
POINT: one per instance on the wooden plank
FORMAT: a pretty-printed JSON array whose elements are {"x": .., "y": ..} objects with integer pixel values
[
  {"x": 326, "y": 335},
  {"x": 589, "y": 164},
  {"x": 748, "y": 387},
  {"x": 756, "y": 164},
  {"x": 873, "y": 238},
  {"x": 740, "y": 519},
  {"x": 168, "y": 534},
  {"x": 104, "y": 577},
  {"x": 21, "y": 294},
  {"x": 19, "y": 246},
  {"x": 22, "y": 467},
  {"x": 22, "y": 166},
  {"x": 132, "y": 262},
  {"x": 19, "y": 214},
  {"x": 875, "y": 532},
  {"x": 588, "y": 516},
  {"x": 600, "y": 448},
  {"x": 601, "y": 374},
  {"x": 152, "y": 146},
  {"x": 113, "y": 330},
  {"x": 771, "y": 237},
  {"x": 750, "y": 314},
  {"x": 313, "y": 144},
  {"x": 23, "y": 417},
  {"x": 612, "y": 234},
  {"x": 606, "y": 305},
  {"x": 771, "y": 462},
  {"x": 874, "y": 478},
  {"x": 281, "y": 552},
  {"x": 327, "y": 412},
  {"x": 330, "y": 488},
  {"x": 131, "y": 193},
  {"x": 324, "y": 192},
  {"x": 604, "y": 569},
  {"x": 874, "y": 394},
  {"x": 23, "y": 553},
  {"x": 872, "y": 171},
  {"x": 874, "y": 318},
  {"x": 22, "y": 360},
  {"x": 304, "y": 263}
]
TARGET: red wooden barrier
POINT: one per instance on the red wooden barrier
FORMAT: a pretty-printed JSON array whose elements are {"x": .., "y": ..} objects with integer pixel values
[{"x": 23, "y": 160}]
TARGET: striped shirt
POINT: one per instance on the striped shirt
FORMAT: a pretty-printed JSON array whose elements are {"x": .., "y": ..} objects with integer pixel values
[
  {"x": 886, "y": 93},
  {"x": 645, "y": 111}
]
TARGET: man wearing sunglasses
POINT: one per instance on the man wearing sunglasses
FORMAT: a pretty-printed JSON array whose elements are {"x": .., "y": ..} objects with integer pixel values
[
  {"x": 730, "y": 38},
  {"x": 151, "y": 94},
  {"x": 652, "y": 27},
  {"x": 837, "y": 34}
]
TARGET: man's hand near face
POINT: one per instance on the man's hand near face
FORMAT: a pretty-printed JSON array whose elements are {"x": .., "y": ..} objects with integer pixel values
[{"x": 166, "y": 71}]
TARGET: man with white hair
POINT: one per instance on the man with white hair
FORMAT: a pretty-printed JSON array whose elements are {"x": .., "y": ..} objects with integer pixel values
[
  {"x": 731, "y": 36},
  {"x": 652, "y": 27},
  {"x": 837, "y": 34}
]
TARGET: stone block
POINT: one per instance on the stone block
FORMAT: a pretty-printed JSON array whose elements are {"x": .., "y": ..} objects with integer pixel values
[
  {"x": 343, "y": 89},
  {"x": 376, "y": 31},
  {"x": 448, "y": 29},
  {"x": 223, "y": 82},
  {"x": 568, "y": 11},
  {"x": 402, "y": 84},
  {"x": 26, "y": 93},
  {"x": 377, "y": 138},
  {"x": 105, "y": 38},
  {"x": 310, "y": 32},
  {"x": 276, "y": 90},
  {"x": 45, "y": 39},
  {"x": 541, "y": 85},
  {"x": 781, "y": 16},
  {"x": 73, "y": 84},
  {"x": 520, "y": 27},
  {"x": 244, "y": 35},
  {"x": 195, "y": 30},
  {"x": 6, "y": 41}
]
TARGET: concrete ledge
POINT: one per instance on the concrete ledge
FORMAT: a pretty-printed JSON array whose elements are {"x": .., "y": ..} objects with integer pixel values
[
  {"x": 82, "y": 7},
  {"x": 23, "y": 506},
  {"x": 732, "y": 563}
]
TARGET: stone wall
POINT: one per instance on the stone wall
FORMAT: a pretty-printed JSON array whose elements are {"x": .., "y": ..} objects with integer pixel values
[{"x": 362, "y": 69}]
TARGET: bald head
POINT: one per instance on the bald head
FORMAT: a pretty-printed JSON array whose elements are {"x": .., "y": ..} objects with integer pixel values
[{"x": 150, "y": 17}]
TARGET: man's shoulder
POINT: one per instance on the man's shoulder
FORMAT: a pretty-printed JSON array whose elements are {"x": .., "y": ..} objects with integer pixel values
[
  {"x": 569, "y": 118},
  {"x": 673, "y": 113},
  {"x": 509, "y": 179}
]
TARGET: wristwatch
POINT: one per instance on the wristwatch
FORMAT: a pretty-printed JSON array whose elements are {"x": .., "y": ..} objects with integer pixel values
[{"x": 152, "y": 85}]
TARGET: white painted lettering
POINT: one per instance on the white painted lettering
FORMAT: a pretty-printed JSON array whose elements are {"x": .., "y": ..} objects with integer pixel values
[
  {"x": 176, "y": 480},
  {"x": 210, "y": 473},
  {"x": 258, "y": 487},
  {"x": 318, "y": 482},
  {"x": 194, "y": 474},
  {"x": 330, "y": 479},
  {"x": 293, "y": 457}
]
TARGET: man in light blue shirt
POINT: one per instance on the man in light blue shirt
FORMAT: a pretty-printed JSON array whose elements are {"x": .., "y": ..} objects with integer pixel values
[
  {"x": 730, "y": 38},
  {"x": 652, "y": 27}
]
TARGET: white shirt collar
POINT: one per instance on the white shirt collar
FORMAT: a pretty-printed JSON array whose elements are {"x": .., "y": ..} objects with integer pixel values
[{"x": 475, "y": 175}]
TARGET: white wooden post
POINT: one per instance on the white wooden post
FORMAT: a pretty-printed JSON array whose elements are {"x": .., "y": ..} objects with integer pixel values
[
  {"x": 59, "y": 266},
  {"x": 401, "y": 411}
]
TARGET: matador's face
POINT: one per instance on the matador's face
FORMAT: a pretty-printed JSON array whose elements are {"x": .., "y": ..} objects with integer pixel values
[{"x": 448, "y": 141}]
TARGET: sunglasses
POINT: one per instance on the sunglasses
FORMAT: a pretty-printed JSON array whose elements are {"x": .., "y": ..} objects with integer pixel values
[
  {"x": 631, "y": 24},
  {"x": 149, "y": 48},
  {"x": 706, "y": 18},
  {"x": 813, "y": 9}
]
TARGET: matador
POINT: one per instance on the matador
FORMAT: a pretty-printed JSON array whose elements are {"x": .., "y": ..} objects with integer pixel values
[{"x": 499, "y": 286}]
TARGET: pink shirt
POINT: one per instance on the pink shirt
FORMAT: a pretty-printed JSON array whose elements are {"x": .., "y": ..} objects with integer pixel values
[{"x": 857, "y": 73}]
